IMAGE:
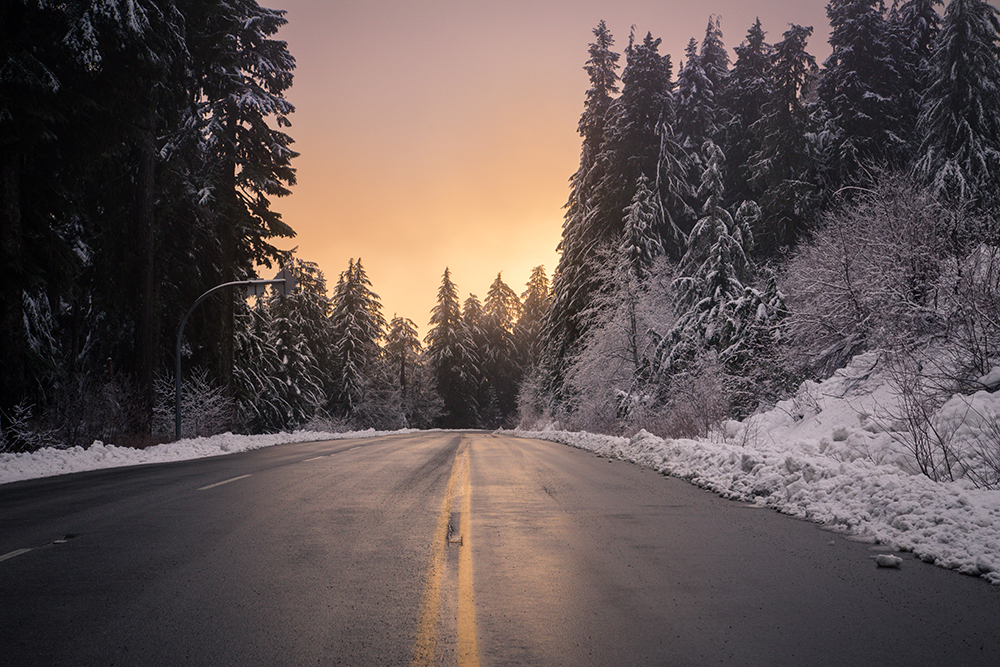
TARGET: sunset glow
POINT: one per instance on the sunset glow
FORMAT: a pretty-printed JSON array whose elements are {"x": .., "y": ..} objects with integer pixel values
[{"x": 443, "y": 134}]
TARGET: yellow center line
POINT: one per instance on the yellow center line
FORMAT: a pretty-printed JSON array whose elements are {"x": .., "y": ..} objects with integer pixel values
[
  {"x": 424, "y": 647},
  {"x": 468, "y": 648}
]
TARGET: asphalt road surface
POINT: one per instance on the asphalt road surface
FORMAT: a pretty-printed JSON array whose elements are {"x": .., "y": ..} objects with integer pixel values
[{"x": 452, "y": 548}]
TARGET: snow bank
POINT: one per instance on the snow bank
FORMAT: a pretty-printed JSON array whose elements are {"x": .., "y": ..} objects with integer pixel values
[{"x": 50, "y": 461}]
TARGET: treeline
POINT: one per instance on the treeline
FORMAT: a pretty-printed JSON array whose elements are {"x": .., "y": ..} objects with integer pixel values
[
  {"x": 334, "y": 361},
  {"x": 745, "y": 225}
]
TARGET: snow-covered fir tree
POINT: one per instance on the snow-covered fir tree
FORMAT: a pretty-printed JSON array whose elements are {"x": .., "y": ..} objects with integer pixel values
[
  {"x": 783, "y": 168},
  {"x": 535, "y": 302},
  {"x": 747, "y": 90},
  {"x": 561, "y": 327},
  {"x": 867, "y": 65},
  {"x": 301, "y": 340},
  {"x": 404, "y": 360},
  {"x": 916, "y": 24},
  {"x": 960, "y": 111},
  {"x": 714, "y": 59},
  {"x": 713, "y": 287},
  {"x": 242, "y": 75},
  {"x": 695, "y": 101},
  {"x": 474, "y": 319},
  {"x": 640, "y": 244},
  {"x": 358, "y": 328},
  {"x": 258, "y": 372},
  {"x": 501, "y": 360},
  {"x": 450, "y": 358}
]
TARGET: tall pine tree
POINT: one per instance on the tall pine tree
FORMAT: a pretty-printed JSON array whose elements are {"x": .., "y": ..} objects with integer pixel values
[
  {"x": 357, "y": 327},
  {"x": 451, "y": 359},
  {"x": 960, "y": 111},
  {"x": 561, "y": 328},
  {"x": 501, "y": 310},
  {"x": 784, "y": 166},
  {"x": 860, "y": 88}
]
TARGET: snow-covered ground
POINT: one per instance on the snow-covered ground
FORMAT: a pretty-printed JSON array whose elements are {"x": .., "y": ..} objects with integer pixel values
[
  {"x": 52, "y": 461},
  {"x": 830, "y": 455}
]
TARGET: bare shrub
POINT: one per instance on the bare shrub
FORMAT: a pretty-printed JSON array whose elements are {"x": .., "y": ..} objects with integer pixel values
[
  {"x": 870, "y": 274},
  {"x": 324, "y": 423},
  {"x": 919, "y": 399},
  {"x": 695, "y": 402},
  {"x": 206, "y": 409},
  {"x": 987, "y": 451},
  {"x": 86, "y": 409},
  {"x": 19, "y": 432},
  {"x": 971, "y": 290}
]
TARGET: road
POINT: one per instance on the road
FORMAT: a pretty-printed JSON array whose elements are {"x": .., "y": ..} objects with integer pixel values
[{"x": 451, "y": 548}]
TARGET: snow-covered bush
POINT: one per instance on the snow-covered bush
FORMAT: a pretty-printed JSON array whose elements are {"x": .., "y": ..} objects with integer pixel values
[
  {"x": 20, "y": 433},
  {"x": 870, "y": 276},
  {"x": 206, "y": 409}
]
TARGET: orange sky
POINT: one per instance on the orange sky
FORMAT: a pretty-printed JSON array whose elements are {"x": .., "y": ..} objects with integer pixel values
[{"x": 440, "y": 133}]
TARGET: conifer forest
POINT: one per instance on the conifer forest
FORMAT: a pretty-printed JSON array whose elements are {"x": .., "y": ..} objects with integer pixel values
[{"x": 742, "y": 219}]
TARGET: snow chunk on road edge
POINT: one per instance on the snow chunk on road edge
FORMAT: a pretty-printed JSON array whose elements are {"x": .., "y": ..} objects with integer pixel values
[
  {"x": 942, "y": 523},
  {"x": 50, "y": 461}
]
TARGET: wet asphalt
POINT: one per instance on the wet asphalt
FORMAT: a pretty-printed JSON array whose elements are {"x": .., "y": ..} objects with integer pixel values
[{"x": 322, "y": 554}]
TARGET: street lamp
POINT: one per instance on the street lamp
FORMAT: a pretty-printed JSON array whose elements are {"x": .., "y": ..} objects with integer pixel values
[{"x": 286, "y": 282}]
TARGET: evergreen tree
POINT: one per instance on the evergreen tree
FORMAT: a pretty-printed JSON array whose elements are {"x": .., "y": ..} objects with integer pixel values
[
  {"x": 714, "y": 59},
  {"x": 960, "y": 111},
  {"x": 450, "y": 358},
  {"x": 259, "y": 386},
  {"x": 744, "y": 97},
  {"x": 483, "y": 392},
  {"x": 501, "y": 311},
  {"x": 640, "y": 244},
  {"x": 713, "y": 285},
  {"x": 917, "y": 24},
  {"x": 242, "y": 74},
  {"x": 860, "y": 87},
  {"x": 632, "y": 142},
  {"x": 783, "y": 168},
  {"x": 561, "y": 327},
  {"x": 357, "y": 327},
  {"x": 302, "y": 340},
  {"x": 535, "y": 302},
  {"x": 920, "y": 23},
  {"x": 695, "y": 101},
  {"x": 402, "y": 348}
]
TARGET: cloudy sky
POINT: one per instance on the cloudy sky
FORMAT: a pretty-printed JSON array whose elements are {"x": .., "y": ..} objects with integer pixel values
[{"x": 442, "y": 133}]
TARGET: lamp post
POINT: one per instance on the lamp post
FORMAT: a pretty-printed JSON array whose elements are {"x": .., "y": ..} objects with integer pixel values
[{"x": 287, "y": 283}]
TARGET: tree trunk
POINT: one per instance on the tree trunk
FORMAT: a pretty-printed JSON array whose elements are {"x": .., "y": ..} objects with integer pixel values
[
  {"x": 227, "y": 240},
  {"x": 12, "y": 370},
  {"x": 147, "y": 352}
]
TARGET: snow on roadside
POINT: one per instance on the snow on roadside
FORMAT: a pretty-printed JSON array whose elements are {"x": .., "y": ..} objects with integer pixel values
[{"x": 51, "y": 461}]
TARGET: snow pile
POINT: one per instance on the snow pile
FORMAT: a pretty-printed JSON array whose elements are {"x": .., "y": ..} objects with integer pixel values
[
  {"x": 832, "y": 455},
  {"x": 50, "y": 461}
]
